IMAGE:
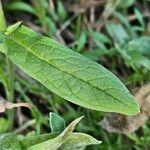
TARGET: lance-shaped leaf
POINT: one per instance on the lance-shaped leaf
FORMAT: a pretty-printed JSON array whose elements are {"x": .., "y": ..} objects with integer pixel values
[{"x": 67, "y": 73}]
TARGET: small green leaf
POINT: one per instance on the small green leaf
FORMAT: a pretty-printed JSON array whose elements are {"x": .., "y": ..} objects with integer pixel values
[
  {"x": 139, "y": 60},
  {"x": 140, "y": 45},
  {"x": 67, "y": 73},
  {"x": 125, "y": 22},
  {"x": 57, "y": 123},
  {"x": 12, "y": 28},
  {"x": 138, "y": 52},
  {"x": 55, "y": 143},
  {"x": 117, "y": 32},
  {"x": 139, "y": 17},
  {"x": 61, "y": 10},
  {"x": 78, "y": 141},
  {"x": 9, "y": 141},
  {"x": 81, "y": 41},
  {"x": 99, "y": 37}
]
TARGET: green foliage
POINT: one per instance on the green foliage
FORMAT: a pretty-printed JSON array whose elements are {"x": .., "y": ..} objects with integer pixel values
[
  {"x": 9, "y": 141},
  {"x": 78, "y": 141},
  {"x": 43, "y": 12},
  {"x": 100, "y": 40},
  {"x": 81, "y": 42},
  {"x": 3, "y": 125},
  {"x": 59, "y": 140},
  {"x": 19, "y": 5},
  {"x": 38, "y": 119},
  {"x": 61, "y": 10},
  {"x": 126, "y": 3},
  {"x": 139, "y": 18},
  {"x": 4, "y": 80},
  {"x": 2, "y": 18},
  {"x": 87, "y": 33},
  {"x": 117, "y": 32},
  {"x": 67, "y": 139},
  {"x": 82, "y": 81},
  {"x": 136, "y": 53},
  {"x": 34, "y": 139},
  {"x": 57, "y": 123}
]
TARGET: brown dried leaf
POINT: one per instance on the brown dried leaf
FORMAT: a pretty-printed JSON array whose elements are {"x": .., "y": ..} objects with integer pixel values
[
  {"x": 4, "y": 105},
  {"x": 114, "y": 122}
]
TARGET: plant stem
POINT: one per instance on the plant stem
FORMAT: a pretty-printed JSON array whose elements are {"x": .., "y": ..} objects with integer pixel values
[
  {"x": 2, "y": 18},
  {"x": 10, "y": 93}
]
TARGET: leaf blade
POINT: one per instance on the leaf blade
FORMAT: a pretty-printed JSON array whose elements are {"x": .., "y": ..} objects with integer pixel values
[
  {"x": 68, "y": 74},
  {"x": 78, "y": 141},
  {"x": 57, "y": 123}
]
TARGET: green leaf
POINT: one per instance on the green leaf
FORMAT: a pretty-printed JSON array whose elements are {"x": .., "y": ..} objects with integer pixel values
[
  {"x": 139, "y": 17},
  {"x": 117, "y": 32},
  {"x": 78, "y": 141},
  {"x": 81, "y": 41},
  {"x": 140, "y": 45},
  {"x": 55, "y": 143},
  {"x": 61, "y": 10},
  {"x": 57, "y": 123},
  {"x": 138, "y": 52},
  {"x": 9, "y": 141},
  {"x": 139, "y": 60},
  {"x": 125, "y": 22},
  {"x": 51, "y": 25},
  {"x": 34, "y": 139},
  {"x": 21, "y": 6},
  {"x": 126, "y": 3},
  {"x": 67, "y": 73},
  {"x": 12, "y": 28},
  {"x": 99, "y": 37}
]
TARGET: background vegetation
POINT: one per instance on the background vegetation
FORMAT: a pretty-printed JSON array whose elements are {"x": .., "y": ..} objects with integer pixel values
[{"x": 114, "y": 33}]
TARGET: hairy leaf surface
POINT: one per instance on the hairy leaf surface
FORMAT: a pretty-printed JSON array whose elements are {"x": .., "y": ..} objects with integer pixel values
[
  {"x": 78, "y": 141},
  {"x": 67, "y": 73}
]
